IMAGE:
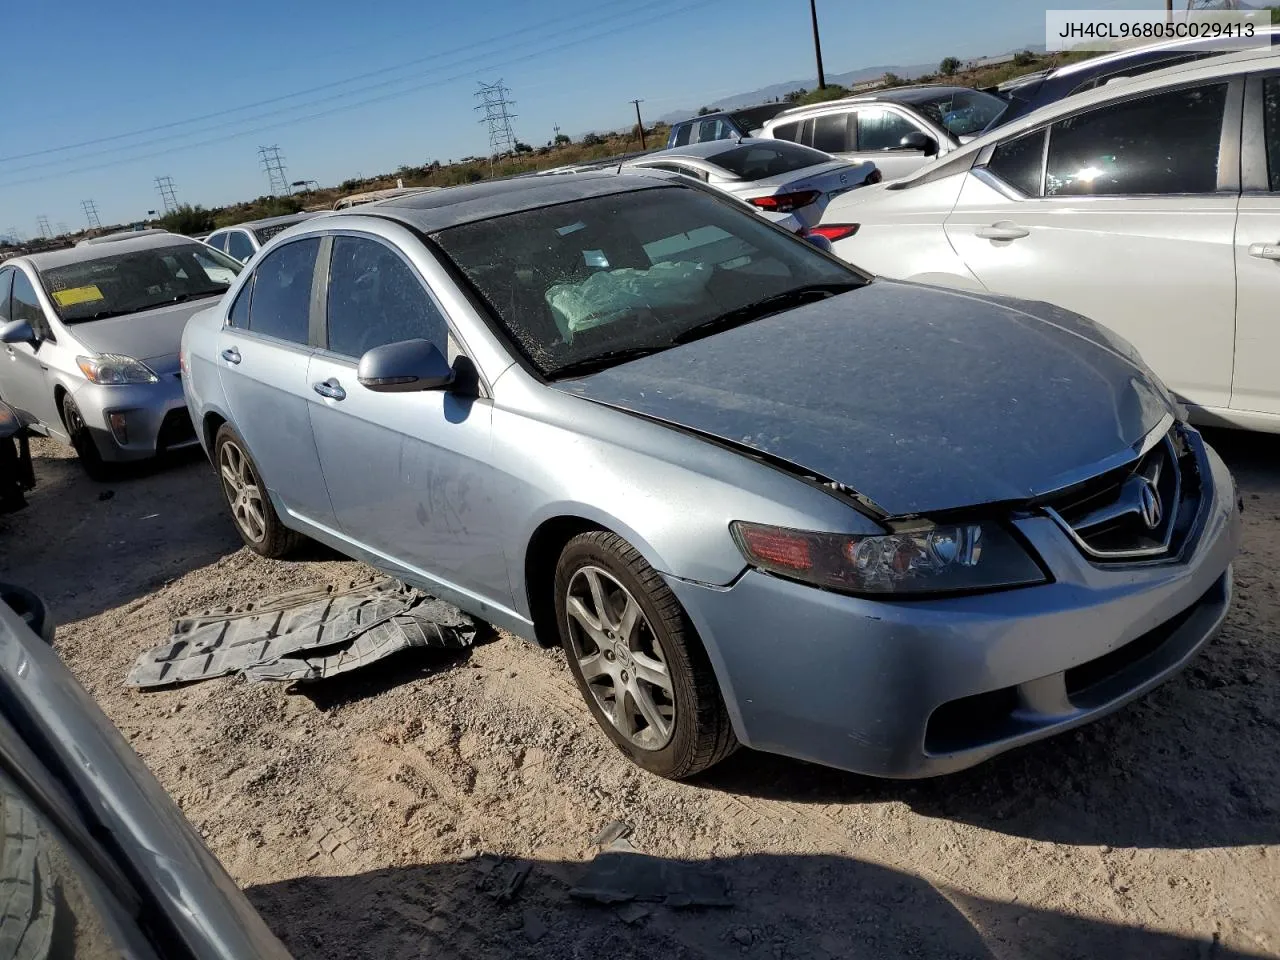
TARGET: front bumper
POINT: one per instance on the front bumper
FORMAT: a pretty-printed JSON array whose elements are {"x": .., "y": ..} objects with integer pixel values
[
  {"x": 149, "y": 418},
  {"x": 917, "y": 689}
]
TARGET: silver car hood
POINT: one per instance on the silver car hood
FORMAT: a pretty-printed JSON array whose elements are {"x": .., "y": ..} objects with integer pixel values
[
  {"x": 150, "y": 335},
  {"x": 920, "y": 399}
]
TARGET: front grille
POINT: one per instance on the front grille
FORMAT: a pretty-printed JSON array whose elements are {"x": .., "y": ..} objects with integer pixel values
[
  {"x": 176, "y": 428},
  {"x": 1139, "y": 512}
]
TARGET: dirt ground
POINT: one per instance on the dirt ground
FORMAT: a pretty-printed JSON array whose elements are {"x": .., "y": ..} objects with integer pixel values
[{"x": 387, "y": 814}]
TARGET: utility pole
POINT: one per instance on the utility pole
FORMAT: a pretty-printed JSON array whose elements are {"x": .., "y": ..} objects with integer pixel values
[
  {"x": 91, "y": 214},
  {"x": 1168, "y": 11},
  {"x": 167, "y": 195},
  {"x": 639, "y": 122},
  {"x": 494, "y": 101},
  {"x": 817, "y": 44},
  {"x": 273, "y": 164},
  {"x": 45, "y": 230}
]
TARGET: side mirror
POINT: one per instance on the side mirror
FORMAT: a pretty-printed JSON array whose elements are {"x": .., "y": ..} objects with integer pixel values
[
  {"x": 17, "y": 331},
  {"x": 919, "y": 140},
  {"x": 405, "y": 367}
]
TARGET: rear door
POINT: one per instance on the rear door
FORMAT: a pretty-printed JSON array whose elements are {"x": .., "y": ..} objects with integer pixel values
[
  {"x": 1256, "y": 385},
  {"x": 263, "y": 354},
  {"x": 26, "y": 383},
  {"x": 239, "y": 245},
  {"x": 1126, "y": 214},
  {"x": 408, "y": 473},
  {"x": 879, "y": 130}
]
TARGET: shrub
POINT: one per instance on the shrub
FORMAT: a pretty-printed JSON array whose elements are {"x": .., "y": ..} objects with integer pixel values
[
  {"x": 949, "y": 66},
  {"x": 188, "y": 220}
]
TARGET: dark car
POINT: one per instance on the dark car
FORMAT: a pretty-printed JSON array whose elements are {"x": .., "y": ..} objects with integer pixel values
[
  {"x": 1035, "y": 90},
  {"x": 95, "y": 859},
  {"x": 723, "y": 125}
]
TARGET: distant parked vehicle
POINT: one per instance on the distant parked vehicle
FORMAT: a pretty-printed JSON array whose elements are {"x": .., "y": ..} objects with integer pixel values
[
  {"x": 1151, "y": 205},
  {"x": 243, "y": 240},
  {"x": 120, "y": 235},
  {"x": 899, "y": 129},
  {"x": 773, "y": 176},
  {"x": 1034, "y": 90},
  {"x": 91, "y": 337},
  {"x": 723, "y": 125},
  {"x": 373, "y": 196}
]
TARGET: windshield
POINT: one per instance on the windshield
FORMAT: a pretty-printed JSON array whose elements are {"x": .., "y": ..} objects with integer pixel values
[
  {"x": 629, "y": 273},
  {"x": 768, "y": 158},
  {"x": 962, "y": 113},
  {"x": 120, "y": 283}
]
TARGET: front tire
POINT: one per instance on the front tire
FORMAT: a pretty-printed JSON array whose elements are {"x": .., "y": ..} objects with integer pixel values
[
  {"x": 82, "y": 442},
  {"x": 637, "y": 660},
  {"x": 251, "y": 510}
]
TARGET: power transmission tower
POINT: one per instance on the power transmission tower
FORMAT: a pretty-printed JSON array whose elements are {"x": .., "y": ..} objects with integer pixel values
[
  {"x": 639, "y": 122},
  {"x": 167, "y": 196},
  {"x": 14, "y": 235},
  {"x": 63, "y": 229},
  {"x": 273, "y": 163},
  {"x": 494, "y": 102},
  {"x": 45, "y": 230},
  {"x": 91, "y": 214}
]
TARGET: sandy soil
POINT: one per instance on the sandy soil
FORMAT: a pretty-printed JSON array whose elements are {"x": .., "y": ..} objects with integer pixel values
[{"x": 384, "y": 814}]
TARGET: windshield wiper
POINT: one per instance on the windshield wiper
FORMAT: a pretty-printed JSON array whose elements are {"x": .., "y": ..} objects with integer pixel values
[
  {"x": 198, "y": 295},
  {"x": 765, "y": 308},
  {"x": 601, "y": 361}
]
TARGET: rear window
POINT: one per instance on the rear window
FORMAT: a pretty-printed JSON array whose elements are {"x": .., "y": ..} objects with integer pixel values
[
  {"x": 756, "y": 161},
  {"x": 962, "y": 113},
  {"x": 753, "y": 118},
  {"x": 788, "y": 131}
]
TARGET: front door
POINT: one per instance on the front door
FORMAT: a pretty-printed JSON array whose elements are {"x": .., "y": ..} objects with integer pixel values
[
  {"x": 1257, "y": 377},
  {"x": 24, "y": 367},
  {"x": 262, "y": 359},
  {"x": 1128, "y": 223},
  {"x": 408, "y": 473}
]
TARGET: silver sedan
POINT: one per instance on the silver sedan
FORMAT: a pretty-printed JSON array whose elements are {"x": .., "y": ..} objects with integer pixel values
[
  {"x": 756, "y": 496},
  {"x": 89, "y": 342}
]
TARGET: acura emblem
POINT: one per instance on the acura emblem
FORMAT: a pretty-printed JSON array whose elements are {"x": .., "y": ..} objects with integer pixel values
[{"x": 1149, "y": 503}]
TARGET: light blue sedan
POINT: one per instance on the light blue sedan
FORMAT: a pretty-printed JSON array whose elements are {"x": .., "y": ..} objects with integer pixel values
[{"x": 757, "y": 496}]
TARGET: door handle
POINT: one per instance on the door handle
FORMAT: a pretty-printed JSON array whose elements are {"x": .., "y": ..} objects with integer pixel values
[
  {"x": 330, "y": 388},
  {"x": 1265, "y": 251},
  {"x": 1004, "y": 230},
  {"x": 231, "y": 355}
]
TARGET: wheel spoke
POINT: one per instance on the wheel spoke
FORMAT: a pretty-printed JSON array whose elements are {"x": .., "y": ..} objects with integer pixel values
[
  {"x": 254, "y": 509},
  {"x": 622, "y": 718},
  {"x": 229, "y": 476},
  {"x": 652, "y": 671},
  {"x": 649, "y": 710},
  {"x": 597, "y": 596},
  {"x": 593, "y": 667},
  {"x": 578, "y": 610},
  {"x": 627, "y": 622}
]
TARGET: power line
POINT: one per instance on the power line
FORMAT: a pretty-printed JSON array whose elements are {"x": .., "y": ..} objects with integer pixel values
[
  {"x": 167, "y": 195},
  {"x": 494, "y": 103},
  {"x": 45, "y": 230},
  {"x": 273, "y": 163},
  {"x": 341, "y": 109},
  {"x": 434, "y": 58},
  {"x": 91, "y": 214}
]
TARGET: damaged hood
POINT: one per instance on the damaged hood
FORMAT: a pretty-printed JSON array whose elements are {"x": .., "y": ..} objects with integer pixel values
[
  {"x": 918, "y": 398},
  {"x": 152, "y": 334}
]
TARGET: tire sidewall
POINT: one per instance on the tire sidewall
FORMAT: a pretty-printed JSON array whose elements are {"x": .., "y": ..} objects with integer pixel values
[
  {"x": 666, "y": 761},
  {"x": 82, "y": 440}
]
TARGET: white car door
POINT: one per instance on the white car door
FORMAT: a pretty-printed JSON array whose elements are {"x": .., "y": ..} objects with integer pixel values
[
  {"x": 1127, "y": 216},
  {"x": 1256, "y": 385}
]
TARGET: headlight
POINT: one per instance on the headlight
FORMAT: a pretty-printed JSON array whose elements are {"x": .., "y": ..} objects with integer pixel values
[
  {"x": 941, "y": 559},
  {"x": 111, "y": 368}
]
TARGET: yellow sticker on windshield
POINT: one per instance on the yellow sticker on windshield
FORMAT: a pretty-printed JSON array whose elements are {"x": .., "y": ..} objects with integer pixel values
[{"x": 69, "y": 298}]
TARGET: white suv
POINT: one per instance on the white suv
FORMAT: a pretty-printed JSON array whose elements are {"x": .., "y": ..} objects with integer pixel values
[{"x": 1151, "y": 205}]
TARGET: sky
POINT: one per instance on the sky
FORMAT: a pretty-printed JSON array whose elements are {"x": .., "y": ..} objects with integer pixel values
[{"x": 100, "y": 99}]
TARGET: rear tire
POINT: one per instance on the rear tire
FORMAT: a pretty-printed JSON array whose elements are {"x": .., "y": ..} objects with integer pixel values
[
  {"x": 254, "y": 517},
  {"x": 637, "y": 659},
  {"x": 82, "y": 442}
]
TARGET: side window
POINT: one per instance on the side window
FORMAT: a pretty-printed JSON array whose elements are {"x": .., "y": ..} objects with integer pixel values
[
  {"x": 682, "y": 134},
  {"x": 238, "y": 316},
  {"x": 25, "y": 304},
  {"x": 831, "y": 132},
  {"x": 1162, "y": 144},
  {"x": 1270, "y": 130},
  {"x": 1020, "y": 162},
  {"x": 375, "y": 298},
  {"x": 218, "y": 241},
  {"x": 281, "y": 303},
  {"x": 708, "y": 130},
  {"x": 6, "y": 285},
  {"x": 881, "y": 129},
  {"x": 787, "y": 131},
  {"x": 238, "y": 245}
]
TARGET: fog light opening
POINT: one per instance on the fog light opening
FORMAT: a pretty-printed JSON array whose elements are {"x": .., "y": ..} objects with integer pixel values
[{"x": 119, "y": 427}]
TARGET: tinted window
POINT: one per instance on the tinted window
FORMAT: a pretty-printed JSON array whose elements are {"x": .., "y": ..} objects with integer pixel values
[
  {"x": 6, "y": 284},
  {"x": 787, "y": 131},
  {"x": 682, "y": 134},
  {"x": 375, "y": 298},
  {"x": 25, "y": 305},
  {"x": 218, "y": 240},
  {"x": 1271, "y": 128},
  {"x": 238, "y": 245},
  {"x": 962, "y": 112},
  {"x": 753, "y": 118},
  {"x": 1161, "y": 144},
  {"x": 282, "y": 291},
  {"x": 831, "y": 133},
  {"x": 709, "y": 130},
  {"x": 756, "y": 161},
  {"x": 1020, "y": 162},
  {"x": 880, "y": 129}
]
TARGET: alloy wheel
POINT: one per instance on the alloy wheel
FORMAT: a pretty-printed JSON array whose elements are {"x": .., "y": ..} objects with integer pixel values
[
  {"x": 243, "y": 491},
  {"x": 620, "y": 658}
]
